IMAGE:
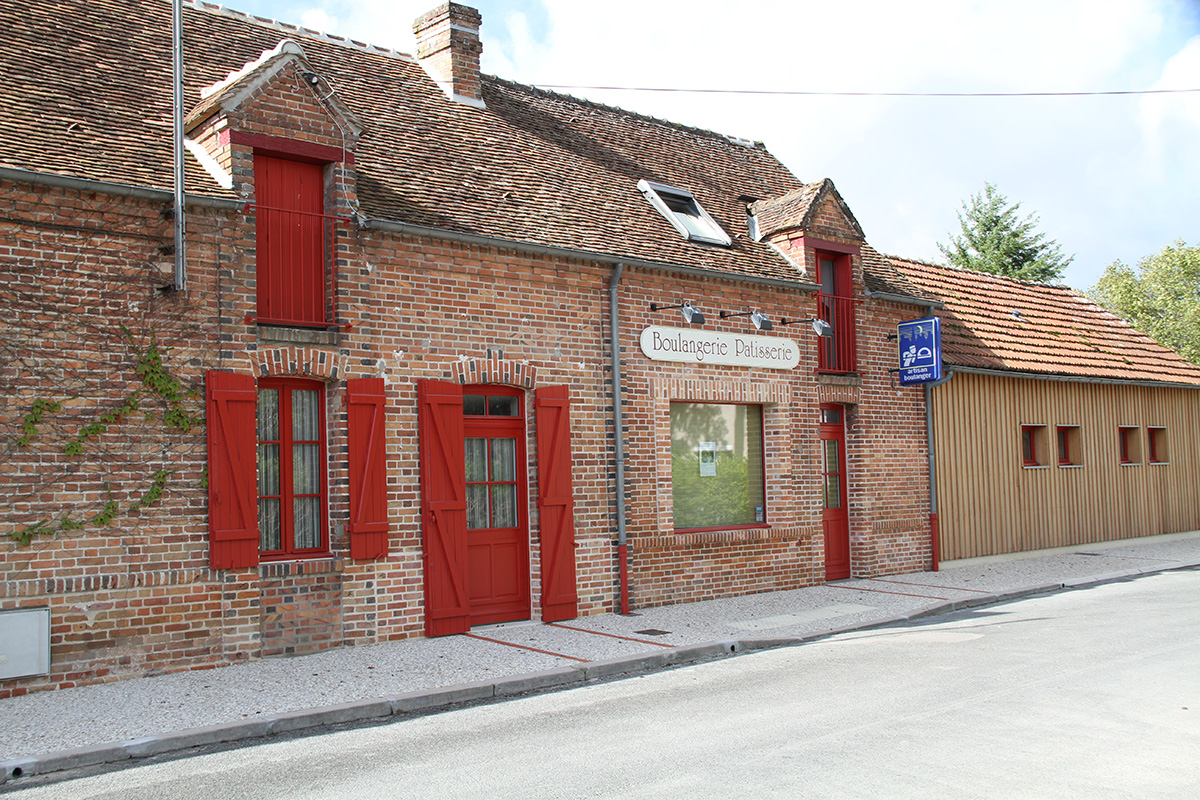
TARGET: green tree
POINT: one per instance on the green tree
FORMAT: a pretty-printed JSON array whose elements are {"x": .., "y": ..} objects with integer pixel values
[
  {"x": 995, "y": 238},
  {"x": 1161, "y": 297}
]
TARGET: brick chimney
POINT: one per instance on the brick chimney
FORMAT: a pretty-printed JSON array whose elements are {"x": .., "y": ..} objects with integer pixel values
[{"x": 448, "y": 47}]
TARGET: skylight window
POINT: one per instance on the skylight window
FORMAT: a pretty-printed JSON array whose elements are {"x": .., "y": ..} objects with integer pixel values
[{"x": 684, "y": 212}]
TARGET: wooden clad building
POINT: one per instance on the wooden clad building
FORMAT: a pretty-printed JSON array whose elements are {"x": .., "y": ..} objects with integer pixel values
[{"x": 1059, "y": 424}]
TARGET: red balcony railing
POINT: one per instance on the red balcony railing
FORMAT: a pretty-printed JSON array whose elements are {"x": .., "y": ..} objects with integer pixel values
[
  {"x": 839, "y": 352},
  {"x": 296, "y": 267}
]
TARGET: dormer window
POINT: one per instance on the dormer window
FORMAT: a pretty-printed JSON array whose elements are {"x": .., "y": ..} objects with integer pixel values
[{"x": 684, "y": 212}]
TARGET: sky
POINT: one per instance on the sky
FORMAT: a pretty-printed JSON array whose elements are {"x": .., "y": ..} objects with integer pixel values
[{"x": 1109, "y": 178}]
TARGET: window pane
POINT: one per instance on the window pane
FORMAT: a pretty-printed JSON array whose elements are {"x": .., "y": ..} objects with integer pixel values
[
  {"x": 306, "y": 415},
  {"x": 307, "y": 522},
  {"x": 832, "y": 462},
  {"x": 476, "y": 455},
  {"x": 828, "y": 284},
  {"x": 502, "y": 406},
  {"x": 268, "y": 415},
  {"x": 833, "y": 491},
  {"x": 306, "y": 469},
  {"x": 716, "y": 464},
  {"x": 477, "y": 506},
  {"x": 269, "y": 524},
  {"x": 268, "y": 469},
  {"x": 504, "y": 460},
  {"x": 474, "y": 404},
  {"x": 504, "y": 506},
  {"x": 831, "y": 415}
]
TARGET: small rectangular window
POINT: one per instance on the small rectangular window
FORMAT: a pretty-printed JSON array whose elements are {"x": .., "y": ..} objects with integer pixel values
[
  {"x": 1033, "y": 446},
  {"x": 684, "y": 212},
  {"x": 1067, "y": 445},
  {"x": 1157, "y": 440},
  {"x": 1129, "y": 445}
]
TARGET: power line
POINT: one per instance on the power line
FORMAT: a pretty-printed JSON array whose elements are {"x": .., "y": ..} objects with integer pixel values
[{"x": 862, "y": 94}]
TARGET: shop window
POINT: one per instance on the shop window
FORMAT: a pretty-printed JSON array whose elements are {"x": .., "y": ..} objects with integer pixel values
[
  {"x": 684, "y": 212},
  {"x": 1067, "y": 446},
  {"x": 1129, "y": 445},
  {"x": 717, "y": 465},
  {"x": 290, "y": 422},
  {"x": 295, "y": 244},
  {"x": 1033, "y": 445},
  {"x": 836, "y": 352},
  {"x": 1156, "y": 438}
]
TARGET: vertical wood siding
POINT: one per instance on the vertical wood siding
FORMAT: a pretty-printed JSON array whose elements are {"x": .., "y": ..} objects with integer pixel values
[{"x": 988, "y": 503}]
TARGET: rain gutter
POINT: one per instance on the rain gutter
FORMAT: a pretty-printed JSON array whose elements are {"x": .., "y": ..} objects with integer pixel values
[
  {"x": 583, "y": 255},
  {"x": 119, "y": 189}
]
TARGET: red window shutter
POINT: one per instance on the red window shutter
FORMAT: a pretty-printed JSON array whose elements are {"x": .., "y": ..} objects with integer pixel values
[
  {"x": 232, "y": 471},
  {"x": 443, "y": 507},
  {"x": 290, "y": 246},
  {"x": 556, "y": 505},
  {"x": 368, "y": 468}
]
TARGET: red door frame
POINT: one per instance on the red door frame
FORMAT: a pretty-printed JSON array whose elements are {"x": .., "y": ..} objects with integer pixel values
[
  {"x": 835, "y": 521},
  {"x": 482, "y": 543}
]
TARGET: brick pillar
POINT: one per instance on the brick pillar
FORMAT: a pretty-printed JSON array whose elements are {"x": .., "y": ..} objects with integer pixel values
[{"x": 448, "y": 47}]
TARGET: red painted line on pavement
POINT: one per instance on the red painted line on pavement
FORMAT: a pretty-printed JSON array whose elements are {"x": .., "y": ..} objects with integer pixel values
[
  {"x": 612, "y": 635},
  {"x": 931, "y": 585},
  {"x": 884, "y": 591},
  {"x": 525, "y": 647}
]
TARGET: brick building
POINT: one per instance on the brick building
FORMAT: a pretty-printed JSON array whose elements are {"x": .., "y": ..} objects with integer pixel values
[{"x": 375, "y": 394}]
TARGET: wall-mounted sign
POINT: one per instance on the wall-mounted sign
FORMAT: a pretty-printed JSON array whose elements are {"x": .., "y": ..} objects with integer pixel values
[
  {"x": 920, "y": 350},
  {"x": 709, "y": 347}
]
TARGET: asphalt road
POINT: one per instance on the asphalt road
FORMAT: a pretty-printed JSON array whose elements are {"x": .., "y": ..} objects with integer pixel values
[{"x": 1091, "y": 693}]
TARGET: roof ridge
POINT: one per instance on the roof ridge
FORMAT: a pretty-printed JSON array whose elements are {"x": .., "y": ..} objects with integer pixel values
[
  {"x": 737, "y": 140},
  {"x": 956, "y": 268},
  {"x": 267, "y": 22}
]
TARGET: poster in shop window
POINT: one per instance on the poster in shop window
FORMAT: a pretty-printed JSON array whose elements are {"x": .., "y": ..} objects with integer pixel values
[{"x": 708, "y": 459}]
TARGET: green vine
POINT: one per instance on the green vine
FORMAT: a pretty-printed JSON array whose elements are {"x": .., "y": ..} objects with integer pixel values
[
  {"x": 157, "y": 380},
  {"x": 29, "y": 424}
]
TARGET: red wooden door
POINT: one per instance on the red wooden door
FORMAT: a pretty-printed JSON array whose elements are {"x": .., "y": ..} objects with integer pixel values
[
  {"x": 497, "y": 527},
  {"x": 834, "y": 518}
]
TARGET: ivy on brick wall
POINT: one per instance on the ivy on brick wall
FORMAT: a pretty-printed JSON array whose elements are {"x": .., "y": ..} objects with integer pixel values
[{"x": 177, "y": 412}]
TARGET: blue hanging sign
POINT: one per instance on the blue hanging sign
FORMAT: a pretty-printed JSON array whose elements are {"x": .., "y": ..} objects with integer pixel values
[{"x": 920, "y": 350}]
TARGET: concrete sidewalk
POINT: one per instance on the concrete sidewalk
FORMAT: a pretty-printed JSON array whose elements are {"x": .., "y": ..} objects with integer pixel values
[{"x": 67, "y": 729}]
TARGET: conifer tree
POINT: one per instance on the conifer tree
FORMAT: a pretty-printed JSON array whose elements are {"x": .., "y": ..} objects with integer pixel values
[{"x": 996, "y": 239}]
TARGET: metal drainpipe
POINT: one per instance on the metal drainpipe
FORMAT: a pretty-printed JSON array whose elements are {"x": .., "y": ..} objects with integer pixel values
[
  {"x": 933, "y": 517},
  {"x": 177, "y": 80},
  {"x": 614, "y": 324}
]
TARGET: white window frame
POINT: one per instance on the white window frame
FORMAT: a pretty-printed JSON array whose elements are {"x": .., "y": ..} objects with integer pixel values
[{"x": 654, "y": 193}]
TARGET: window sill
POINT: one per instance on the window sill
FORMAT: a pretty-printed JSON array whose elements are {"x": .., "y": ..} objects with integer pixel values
[
  {"x": 1131, "y": 463},
  {"x": 280, "y": 334},
  {"x": 1159, "y": 463},
  {"x": 1070, "y": 466},
  {"x": 1035, "y": 466},
  {"x": 749, "y": 526}
]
